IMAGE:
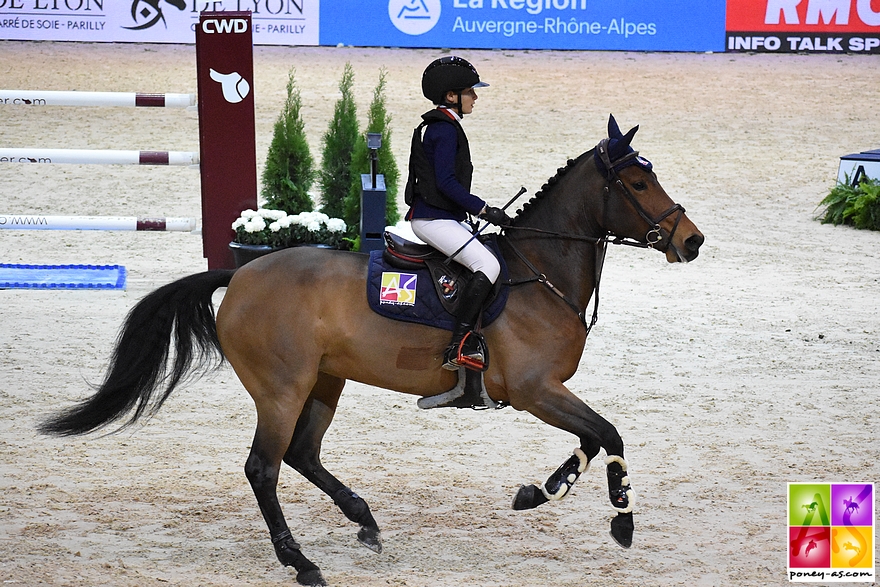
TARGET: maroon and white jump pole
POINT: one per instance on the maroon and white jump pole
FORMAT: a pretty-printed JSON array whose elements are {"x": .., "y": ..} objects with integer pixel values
[
  {"x": 125, "y": 99},
  {"x": 36, "y": 222},
  {"x": 98, "y": 157}
]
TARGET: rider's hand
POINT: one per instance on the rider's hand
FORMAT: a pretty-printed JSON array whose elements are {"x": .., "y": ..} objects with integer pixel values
[{"x": 495, "y": 216}]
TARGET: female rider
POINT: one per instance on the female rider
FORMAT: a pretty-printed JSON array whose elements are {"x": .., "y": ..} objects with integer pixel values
[{"x": 438, "y": 192}]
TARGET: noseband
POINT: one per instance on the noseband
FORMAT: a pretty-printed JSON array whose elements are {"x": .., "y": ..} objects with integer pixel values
[{"x": 653, "y": 236}]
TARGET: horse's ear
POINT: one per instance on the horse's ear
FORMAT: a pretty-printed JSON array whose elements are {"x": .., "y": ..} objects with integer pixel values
[
  {"x": 627, "y": 139},
  {"x": 613, "y": 129}
]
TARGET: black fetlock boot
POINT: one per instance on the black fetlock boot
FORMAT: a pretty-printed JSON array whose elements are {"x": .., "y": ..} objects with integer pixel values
[{"x": 469, "y": 309}]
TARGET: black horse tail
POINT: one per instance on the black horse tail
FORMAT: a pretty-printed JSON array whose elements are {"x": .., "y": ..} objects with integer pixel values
[{"x": 181, "y": 311}]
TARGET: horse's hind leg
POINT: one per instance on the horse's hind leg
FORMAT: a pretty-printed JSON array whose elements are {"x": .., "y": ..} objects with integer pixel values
[
  {"x": 276, "y": 421},
  {"x": 304, "y": 455}
]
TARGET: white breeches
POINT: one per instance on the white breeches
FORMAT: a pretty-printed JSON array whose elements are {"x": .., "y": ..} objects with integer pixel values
[{"x": 447, "y": 236}]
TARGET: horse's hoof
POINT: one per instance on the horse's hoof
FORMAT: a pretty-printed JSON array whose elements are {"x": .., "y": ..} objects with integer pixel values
[
  {"x": 528, "y": 497},
  {"x": 622, "y": 529},
  {"x": 371, "y": 538},
  {"x": 311, "y": 578}
]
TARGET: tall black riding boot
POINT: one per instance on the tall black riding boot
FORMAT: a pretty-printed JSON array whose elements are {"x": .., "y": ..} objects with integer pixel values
[{"x": 469, "y": 309}]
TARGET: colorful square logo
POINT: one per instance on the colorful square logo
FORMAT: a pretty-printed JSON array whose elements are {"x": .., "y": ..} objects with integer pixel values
[
  {"x": 398, "y": 289},
  {"x": 831, "y": 532}
]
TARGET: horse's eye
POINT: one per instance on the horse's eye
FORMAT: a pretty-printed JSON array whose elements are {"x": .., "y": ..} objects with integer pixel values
[{"x": 640, "y": 186}]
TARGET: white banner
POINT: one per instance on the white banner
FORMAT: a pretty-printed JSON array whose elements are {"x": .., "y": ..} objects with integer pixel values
[{"x": 275, "y": 22}]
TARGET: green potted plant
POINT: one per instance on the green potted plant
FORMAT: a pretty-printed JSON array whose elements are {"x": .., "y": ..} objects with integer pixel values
[
  {"x": 289, "y": 171},
  {"x": 856, "y": 205},
  {"x": 259, "y": 232},
  {"x": 339, "y": 142},
  {"x": 378, "y": 121}
]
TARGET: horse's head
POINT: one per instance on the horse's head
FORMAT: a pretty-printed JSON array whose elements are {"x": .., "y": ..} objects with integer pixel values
[{"x": 635, "y": 204}]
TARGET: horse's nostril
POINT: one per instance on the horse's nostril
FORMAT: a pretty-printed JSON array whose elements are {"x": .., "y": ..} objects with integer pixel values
[{"x": 694, "y": 242}]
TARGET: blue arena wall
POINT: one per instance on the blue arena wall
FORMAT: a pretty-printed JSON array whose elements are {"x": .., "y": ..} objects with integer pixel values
[
  {"x": 772, "y": 26},
  {"x": 624, "y": 25}
]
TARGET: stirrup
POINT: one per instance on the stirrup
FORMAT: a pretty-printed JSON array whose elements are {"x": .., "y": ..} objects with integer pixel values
[
  {"x": 475, "y": 359},
  {"x": 469, "y": 392}
]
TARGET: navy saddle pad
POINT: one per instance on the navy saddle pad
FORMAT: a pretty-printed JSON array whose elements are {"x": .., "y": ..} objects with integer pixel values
[{"x": 411, "y": 296}]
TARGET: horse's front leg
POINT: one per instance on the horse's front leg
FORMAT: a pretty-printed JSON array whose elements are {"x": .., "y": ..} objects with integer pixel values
[{"x": 557, "y": 406}]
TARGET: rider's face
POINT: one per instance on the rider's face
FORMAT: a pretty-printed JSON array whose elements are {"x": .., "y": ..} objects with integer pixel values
[{"x": 468, "y": 97}]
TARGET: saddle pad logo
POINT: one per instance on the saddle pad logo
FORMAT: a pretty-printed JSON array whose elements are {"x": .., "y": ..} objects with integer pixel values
[{"x": 398, "y": 289}]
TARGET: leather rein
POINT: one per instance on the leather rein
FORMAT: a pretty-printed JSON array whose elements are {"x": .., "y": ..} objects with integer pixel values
[{"x": 652, "y": 237}]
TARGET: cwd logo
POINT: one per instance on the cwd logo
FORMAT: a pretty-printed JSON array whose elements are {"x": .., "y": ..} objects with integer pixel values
[
  {"x": 414, "y": 17},
  {"x": 225, "y": 25}
]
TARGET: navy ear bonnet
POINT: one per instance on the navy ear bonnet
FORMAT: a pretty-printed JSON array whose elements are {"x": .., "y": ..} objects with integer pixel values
[{"x": 618, "y": 149}]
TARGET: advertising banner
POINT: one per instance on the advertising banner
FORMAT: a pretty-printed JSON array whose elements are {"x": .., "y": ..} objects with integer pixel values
[
  {"x": 632, "y": 25},
  {"x": 275, "y": 22},
  {"x": 803, "y": 26}
]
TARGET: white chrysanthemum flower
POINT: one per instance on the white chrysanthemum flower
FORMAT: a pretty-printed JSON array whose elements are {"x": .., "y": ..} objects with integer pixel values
[
  {"x": 336, "y": 225},
  {"x": 272, "y": 214},
  {"x": 248, "y": 214},
  {"x": 238, "y": 223},
  {"x": 275, "y": 226},
  {"x": 256, "y": 224},
  {"x": 285, "y": 222},
  {"x": 313, "y": 226}
]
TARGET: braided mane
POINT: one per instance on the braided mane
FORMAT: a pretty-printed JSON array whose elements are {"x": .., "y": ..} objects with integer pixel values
[{"x": 548, "y": 187}]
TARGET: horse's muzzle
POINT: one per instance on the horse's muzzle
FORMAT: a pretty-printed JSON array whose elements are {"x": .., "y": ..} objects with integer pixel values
[{"x": 687, "y": 249}]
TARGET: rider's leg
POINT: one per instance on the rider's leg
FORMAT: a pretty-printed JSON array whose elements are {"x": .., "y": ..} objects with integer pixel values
[
  {"x": 448, "y": 236},
  {"x": 469, "y": 307}
]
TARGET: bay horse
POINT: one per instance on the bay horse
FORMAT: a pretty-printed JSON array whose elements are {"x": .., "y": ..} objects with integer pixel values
[{"x": 295, "y": 325}]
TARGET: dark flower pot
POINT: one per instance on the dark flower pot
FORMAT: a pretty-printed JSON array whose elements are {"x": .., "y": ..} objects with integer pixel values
[{"x": 242, "y": 254}]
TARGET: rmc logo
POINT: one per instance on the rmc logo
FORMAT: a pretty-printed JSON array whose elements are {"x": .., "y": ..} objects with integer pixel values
[
  {"x": 224, "y": 25},
  {"x": 826, "y": 11},
  {"x": 414, "y": 17}
]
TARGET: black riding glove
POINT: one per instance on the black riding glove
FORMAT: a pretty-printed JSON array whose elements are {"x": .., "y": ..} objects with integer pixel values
[{"x": 495, "y": 216}]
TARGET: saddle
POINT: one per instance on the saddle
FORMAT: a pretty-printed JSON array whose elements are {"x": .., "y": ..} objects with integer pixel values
[
  {"x": 448, "y": 280},
  {"x": 413, "y": 283}
]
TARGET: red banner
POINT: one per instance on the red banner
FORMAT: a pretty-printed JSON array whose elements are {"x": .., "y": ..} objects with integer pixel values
[{"x": 225, "y": 69}]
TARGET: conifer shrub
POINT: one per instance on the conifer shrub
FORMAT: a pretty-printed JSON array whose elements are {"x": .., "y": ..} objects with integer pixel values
[
  {"x": 339, "y": 143},
  {"x": 289, "y": 172},
  {"x": 378, "y": 121}
]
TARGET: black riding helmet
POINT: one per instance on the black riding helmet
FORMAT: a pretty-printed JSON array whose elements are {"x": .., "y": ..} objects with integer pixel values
[{"x": 449, "y": 74}]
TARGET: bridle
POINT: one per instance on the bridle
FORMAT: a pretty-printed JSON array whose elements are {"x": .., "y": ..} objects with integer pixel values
[{"x": 652, "y": 237}]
